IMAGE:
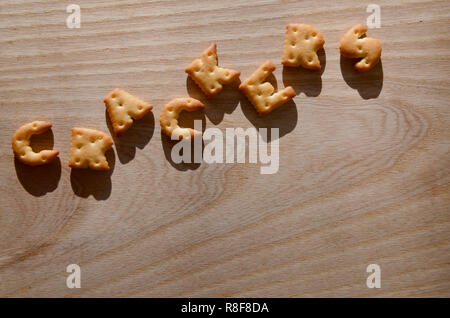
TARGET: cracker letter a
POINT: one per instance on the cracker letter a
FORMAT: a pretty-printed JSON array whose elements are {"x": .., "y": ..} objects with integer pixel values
[{"x": 123, "y": 108}]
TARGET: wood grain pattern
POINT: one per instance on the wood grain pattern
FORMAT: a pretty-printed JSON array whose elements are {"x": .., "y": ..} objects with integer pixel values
[{"x": 364, "y": 158}]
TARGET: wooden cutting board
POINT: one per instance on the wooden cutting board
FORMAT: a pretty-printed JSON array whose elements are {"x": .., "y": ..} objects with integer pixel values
[{"x": 364, "y": 158}]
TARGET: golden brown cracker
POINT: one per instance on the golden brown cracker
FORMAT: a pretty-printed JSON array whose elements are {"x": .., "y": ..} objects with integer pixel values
[
  {"x": 207, "y": 75},
  {"x": 169, "y": 117},
  {"x": 22, "y": 148},
  {"x": 88, "y": 147},
  {"x": 261, "y": 94},
  {"x": 301, "y": 44},
  {"x": 355, "y": 44},
  {"x": 123, "y": 108}
]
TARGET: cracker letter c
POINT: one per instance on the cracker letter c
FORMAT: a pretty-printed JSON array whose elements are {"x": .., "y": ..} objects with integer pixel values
[
  {"x": 21, "y": 144},
  {"x": 169, "y": 117}
]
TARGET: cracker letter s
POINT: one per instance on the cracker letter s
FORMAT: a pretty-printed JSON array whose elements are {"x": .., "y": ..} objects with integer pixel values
[{"x": 355, "y": 44}]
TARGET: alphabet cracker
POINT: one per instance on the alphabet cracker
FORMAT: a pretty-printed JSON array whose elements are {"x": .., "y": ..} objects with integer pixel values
[
  {"x": 301, "y": 44},
  {"x": 207, "y": 75},
  {"x": 169, "y": 117},
  {"x": 88, "y": 147},
  {"x": 21, "y": 144},
  {"x": 261, "y": 94},
  {"x": 355, "y": 44},
  {"x": 123, "y": 108}
]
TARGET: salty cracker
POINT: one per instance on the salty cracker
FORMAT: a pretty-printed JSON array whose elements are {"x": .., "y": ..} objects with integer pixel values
[
  {"x": 169, "y": 117},
  {"x": 123, "y": 108},
  {"x": 207, "y": 75},
  {"x": 261, "y": 94},
  {"x": 301, "y": 44},
  {"x": 21, "y": 144},
  {"x": 355, "y": 44},
  {"x": 88, "y": 147}
]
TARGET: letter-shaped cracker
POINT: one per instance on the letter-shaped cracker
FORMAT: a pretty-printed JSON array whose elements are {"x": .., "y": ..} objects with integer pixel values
[
  {"x": 261, "y": 94},
  {"x": 355, "y": 44},
  {"x": 88, "y": 147},
  {"x": 301, "y": 44},
  {"x": 123, "y": 108},
  {"x": 21, "y": 144},
  {"x": 169, "y": 117},
  {"x": 208, "y": 76}
]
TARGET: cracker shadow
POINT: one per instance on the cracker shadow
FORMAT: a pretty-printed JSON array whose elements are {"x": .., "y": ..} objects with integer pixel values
[
  {"x": 168, "y": 145},
  {"x": 86, "y": 182},
  {"x": 303, "y": 80},
  {"x": 368, "y": 84},
  {"x": 284, "y": 118},
  {"x": 225, "y": 102},
  {"x": 186, "y": 119},
  {"x": 137, "y": 136},
  {"x": 39, "y": 180}
]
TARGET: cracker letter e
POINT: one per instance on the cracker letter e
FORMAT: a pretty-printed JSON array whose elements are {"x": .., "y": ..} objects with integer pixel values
[{"x": 261, "y": 94}]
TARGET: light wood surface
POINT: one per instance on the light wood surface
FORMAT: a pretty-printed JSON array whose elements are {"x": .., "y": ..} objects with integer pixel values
[{"x": 364, "y": 158}]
